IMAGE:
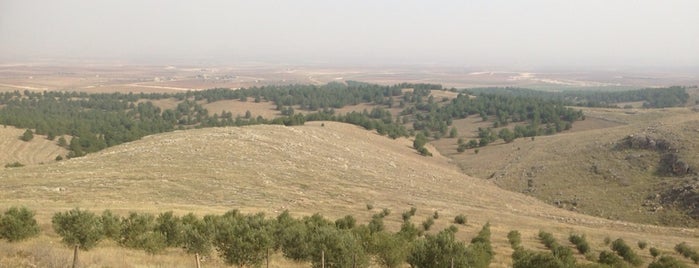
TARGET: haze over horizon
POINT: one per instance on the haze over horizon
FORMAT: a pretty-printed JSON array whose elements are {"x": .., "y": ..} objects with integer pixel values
[{"x": 520, "y": 34}]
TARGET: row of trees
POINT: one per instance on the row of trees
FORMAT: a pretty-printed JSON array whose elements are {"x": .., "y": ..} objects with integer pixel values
[
  {"x": 652, "y": 97},
  {"x": 249, "y": 239},
  {"x": 561, "y": 256},
  {"x": 97, "y": 121}
]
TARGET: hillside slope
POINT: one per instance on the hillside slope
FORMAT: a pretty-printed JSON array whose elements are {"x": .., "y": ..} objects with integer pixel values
[
  {"x": 585, "y": 170},
  {"x": 36, "y": 151},
  {"x": 327, "y": 167}
]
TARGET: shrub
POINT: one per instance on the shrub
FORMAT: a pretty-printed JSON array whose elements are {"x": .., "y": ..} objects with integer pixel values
[
  {"x": 626, "y": 252},
  {"x": 611, "y": 259},
  {"x": 667, "y": 262},
  {"x": 527, "y": 259},
  {"x": 438, "y": 250},
  {"x": 461, "y": 148},
  {"x": 427, "y": 224},
  {"x": 688, "y": 252},
  {"x": 423, "y": 151},
  {"x": 408, "y": 231},
  {"x": 654, "y": 252},
  {"x": 376, "y": 224},
  {"x": 170, "y": 226},
  {"x": 14, "y": 165},
  {"x": 515, "y": 239},
  {"x": 480, "y": 252},
  {"x": 406, "y": 216},
  {"x": 244, "y": 240},
  {"x": 138, "y": 232},
  {"x": 580, "y": 243},
  {"x": 547, "y": 239},
  {"x": 346, "y": 222},
  {"x": 78, "y": 228},
  {"x": 412, "y": 211},
  {"x": 17, "y": 224},
  {"x": 385, "y": 212},
  {"x": 27, "y": 136},
  {"x": 435, "y": 215},
  {"x": 642, "y": 244},
  {"x": 111, "y": 225},
  {"x": 391, "y": 250},
  {"x": 198, "y": 234},
  {"x": 460, "y": 219}
]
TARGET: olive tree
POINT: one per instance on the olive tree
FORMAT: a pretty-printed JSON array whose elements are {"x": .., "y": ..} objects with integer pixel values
[
  {"x": 18, "y": 223},
  {"x": 79, "y": 229}
]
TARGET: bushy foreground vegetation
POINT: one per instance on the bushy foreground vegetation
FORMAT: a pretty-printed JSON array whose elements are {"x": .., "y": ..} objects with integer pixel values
[{"x": 248, "y": 239}]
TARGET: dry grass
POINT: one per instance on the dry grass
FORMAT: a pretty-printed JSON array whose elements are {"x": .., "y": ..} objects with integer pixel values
[
  {"x": 562, "y": 166},
  {"x": 238, "y": 108},
  {"x": 335, "y": 170},
  {"x": 37, "y": 151}
]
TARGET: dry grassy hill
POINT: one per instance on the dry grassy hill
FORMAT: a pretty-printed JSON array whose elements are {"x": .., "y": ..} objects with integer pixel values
[
  {"x": 36, "y": 151},
  {"x": 581, "y": 170},
  {"x": 335, "y": 169}
]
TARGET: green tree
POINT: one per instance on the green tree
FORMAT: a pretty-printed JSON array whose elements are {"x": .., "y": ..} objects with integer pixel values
[
  {"x": 139, "y": 232},
  {"x": 440, "y": 250},
  {"x": 515, "y": 239},
  {"x": 170, "y": 226},
  {"x": 18, "y": 223},
  {"x": 197, "y": 237},
  {"x": 506, "y": 135},
  {"x": 244, "y": 240},
  {"x": 667, "y": 262},
  {"x": 79, "y": 229},
  {"x": 111, "y": 225},
  {"x": 391, "y": 250},
  {"x": 522, "y": 258},
  {"x": 453, "y": 132},
  {"x": 62, "y": 142},
  {"x": 28, "y": 135},
  {"x": 420, "y": 141}
]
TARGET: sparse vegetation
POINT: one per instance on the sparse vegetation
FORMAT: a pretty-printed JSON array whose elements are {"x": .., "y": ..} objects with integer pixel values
[
  {"x": 580, "y": 243},
  {"x": 14, "y": 165},
  {"x": 561, "y": 253},
  {"x": 621, "y": 248},
  {"x": 687, "y": 251},
  {"x": 667, "y": 262}
]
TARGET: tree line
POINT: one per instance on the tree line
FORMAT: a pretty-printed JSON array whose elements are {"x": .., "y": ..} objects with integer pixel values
[
  {"x": 98, "y": 121},
  {"x": 673, "y": 96},
  {"x": 249, "y": 239}
]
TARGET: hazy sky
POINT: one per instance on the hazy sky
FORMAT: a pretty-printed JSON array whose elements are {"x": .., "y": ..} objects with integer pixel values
[{"x": 465, "y": 33}]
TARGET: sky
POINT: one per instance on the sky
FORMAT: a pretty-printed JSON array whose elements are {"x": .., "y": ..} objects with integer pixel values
[{"x": 530, "y": 33}]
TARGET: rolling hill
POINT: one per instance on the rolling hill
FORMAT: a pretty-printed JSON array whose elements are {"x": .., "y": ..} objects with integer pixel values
[
  {"x": 585, "y": 170},
  {"x": 36, "y": 151},
  {"x": 327, "y": 167}
]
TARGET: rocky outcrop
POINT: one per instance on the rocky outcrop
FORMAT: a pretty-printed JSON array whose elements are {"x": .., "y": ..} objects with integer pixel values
[
  {"x": 644, "y": 142},
  {"x": 684, "y": 197},
  {"x": 670, "y": 162}
]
